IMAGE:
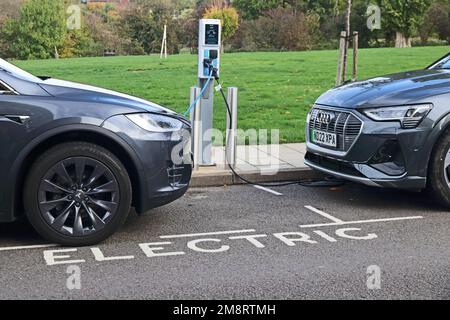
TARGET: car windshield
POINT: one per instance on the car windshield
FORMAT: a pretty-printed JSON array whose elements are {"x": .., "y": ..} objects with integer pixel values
[
  {"x": 17, "y": 72},
  {"x": 442, "y": 64}
]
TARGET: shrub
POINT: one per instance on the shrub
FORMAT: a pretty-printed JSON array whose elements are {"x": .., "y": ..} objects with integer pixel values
[
  {"x": 78, "y": 43},
  {"x": 436, "y": 23},
  {"x": 279, "y": 29}
]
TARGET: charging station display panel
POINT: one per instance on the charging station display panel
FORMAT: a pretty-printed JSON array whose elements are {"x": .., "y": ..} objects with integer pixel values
[
  {"x": 212, "y": 34},
  {"x": 209, "y": 42}
]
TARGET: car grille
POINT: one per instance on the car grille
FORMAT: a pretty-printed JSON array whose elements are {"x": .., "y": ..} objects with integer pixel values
[
  {"x": 345, "y": 125},
  {"x": 333, "y": 165}
]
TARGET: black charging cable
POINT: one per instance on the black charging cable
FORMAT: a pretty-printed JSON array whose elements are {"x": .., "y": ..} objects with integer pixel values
[{"x": 327, "y": 182}]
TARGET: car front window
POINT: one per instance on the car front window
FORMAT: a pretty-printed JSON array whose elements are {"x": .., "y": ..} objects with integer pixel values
[{"x": 17, "y": 72}]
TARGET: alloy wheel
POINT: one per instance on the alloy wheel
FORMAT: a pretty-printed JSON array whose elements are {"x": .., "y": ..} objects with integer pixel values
[
  {"x": 447, "y": 168},
  {"x": 78, "y": 196}
]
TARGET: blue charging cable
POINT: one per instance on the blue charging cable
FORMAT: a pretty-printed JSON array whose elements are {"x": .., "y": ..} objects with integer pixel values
[{"x": 192, "y": 106}]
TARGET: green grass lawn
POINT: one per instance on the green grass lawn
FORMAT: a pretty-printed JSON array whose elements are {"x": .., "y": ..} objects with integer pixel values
[{"x": 276, "y": 89}]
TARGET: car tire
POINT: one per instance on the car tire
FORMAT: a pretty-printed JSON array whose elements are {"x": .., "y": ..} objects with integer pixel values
[
  {"x": 439, "y": 171},
  {"x": 77, "y": 194}
]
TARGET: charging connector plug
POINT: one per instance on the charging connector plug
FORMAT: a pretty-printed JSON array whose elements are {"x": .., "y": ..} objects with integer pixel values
[{"x": 208, "y": 64}]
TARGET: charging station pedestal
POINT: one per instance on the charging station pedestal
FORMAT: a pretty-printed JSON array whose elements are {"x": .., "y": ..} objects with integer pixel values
[{"x": 210, "y": 34}]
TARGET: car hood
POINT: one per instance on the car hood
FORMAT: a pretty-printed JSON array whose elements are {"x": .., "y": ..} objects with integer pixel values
[
  {"x": 390, "y": 90},
  {"x": 80, "y": 92}
]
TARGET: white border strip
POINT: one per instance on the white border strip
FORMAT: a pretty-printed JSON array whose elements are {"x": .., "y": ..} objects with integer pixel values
[
  {"x": 207, "y": 234},
  {"x": 324, "y": 214},
  {"x": 43, "y": 246},
  {"x": 360, "y": 222},
  {"x": 268, "y": 190}
]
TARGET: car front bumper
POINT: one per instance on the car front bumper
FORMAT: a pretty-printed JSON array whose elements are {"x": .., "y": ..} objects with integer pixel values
[
  {"x": 163, "y": 163},
  {"x": 380, "y": 154}
]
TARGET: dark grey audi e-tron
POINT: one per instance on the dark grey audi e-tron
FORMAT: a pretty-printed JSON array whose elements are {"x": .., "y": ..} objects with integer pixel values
[
  {"x": 75, "y": 158},
  {"x": 391, "y": 131}
]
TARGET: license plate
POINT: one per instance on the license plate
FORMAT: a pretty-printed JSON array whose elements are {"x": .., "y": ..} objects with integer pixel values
[{"x": 324, "y": 138}]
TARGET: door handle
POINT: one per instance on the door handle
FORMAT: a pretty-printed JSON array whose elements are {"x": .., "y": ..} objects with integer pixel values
[{"x": 18, "y": 119}]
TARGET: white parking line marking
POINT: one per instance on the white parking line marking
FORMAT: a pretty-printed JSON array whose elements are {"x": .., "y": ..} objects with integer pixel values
[
  {"x": 268, "y": 190},
  {"x": 360, "y": 222},
  {"x": 207, "y": 234},
  {"x": 324, "y": 214},
  {"x": 44, "y": 246}
]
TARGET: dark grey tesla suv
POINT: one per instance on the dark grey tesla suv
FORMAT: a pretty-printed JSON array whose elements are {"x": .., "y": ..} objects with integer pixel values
[
  {"x": 390, "y": 131},
  {"x": 75, "y": 158}
]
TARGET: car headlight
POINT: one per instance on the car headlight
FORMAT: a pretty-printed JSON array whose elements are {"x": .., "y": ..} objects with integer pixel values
[
  {"x": 156, "y": 123},
  {"x": 409, "y": 116}
]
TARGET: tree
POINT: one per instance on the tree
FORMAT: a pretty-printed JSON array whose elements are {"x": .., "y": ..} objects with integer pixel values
[
  {"x": 229, "y": 18},
  {"x": 437, "y": 22},
  {"x": 404, "y": 17},
  {"x": 39, "y": 29},
  {"x": 252, "y": 9},
  {"x": 10, "y": 9},
  {"x": 443, "y": 23},
  {"x": 144, "y": 21}
]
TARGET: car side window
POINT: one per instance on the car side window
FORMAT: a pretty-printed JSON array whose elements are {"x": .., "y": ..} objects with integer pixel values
[{"x": 446, "y": 64}]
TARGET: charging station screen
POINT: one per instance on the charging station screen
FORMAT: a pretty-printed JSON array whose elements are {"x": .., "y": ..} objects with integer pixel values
[{"x": 212, "y": 34}]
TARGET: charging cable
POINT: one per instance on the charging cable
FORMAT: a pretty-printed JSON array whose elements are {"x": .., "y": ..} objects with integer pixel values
[
  {"x": 327, "y": 182},
  {"x": 192, "y": 106}
]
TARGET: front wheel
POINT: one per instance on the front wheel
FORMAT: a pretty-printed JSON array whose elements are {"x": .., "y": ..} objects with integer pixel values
[
  {"x": 439, "y": 171},
  {"x": 77, "y": 194}
]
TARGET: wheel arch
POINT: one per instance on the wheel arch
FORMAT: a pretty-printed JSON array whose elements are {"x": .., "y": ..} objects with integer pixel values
[
  {"x": 441, "y": 128},
  {"x": 84, "y": 133}
]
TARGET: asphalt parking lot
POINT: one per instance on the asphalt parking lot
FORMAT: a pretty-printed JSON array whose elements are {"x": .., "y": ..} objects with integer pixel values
[{"x": 242, "y": 242}]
